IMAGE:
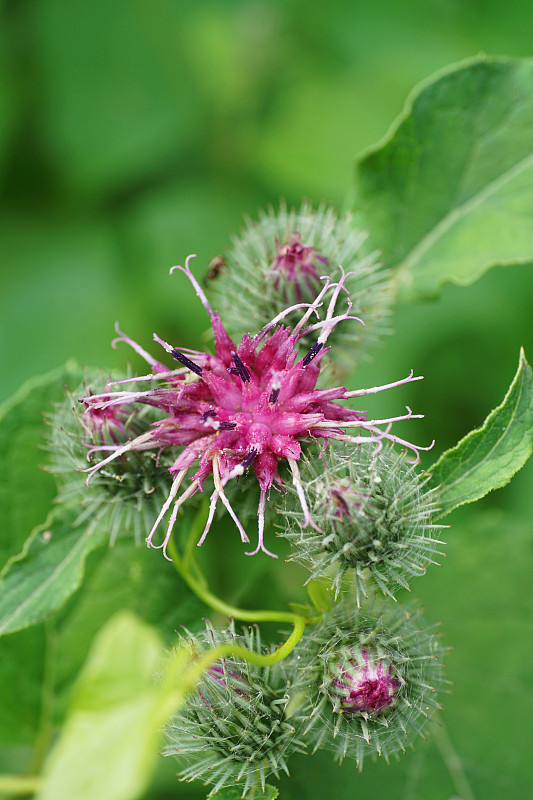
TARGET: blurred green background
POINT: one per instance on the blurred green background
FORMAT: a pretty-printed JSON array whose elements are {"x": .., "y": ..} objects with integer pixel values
[{"x": 133, "y": 132}]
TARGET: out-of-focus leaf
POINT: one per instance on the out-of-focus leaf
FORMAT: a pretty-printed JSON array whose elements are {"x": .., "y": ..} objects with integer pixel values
[
  {"x": 6, "y": 99},
  {"x": 37, "y": 582},
  {"x": 119, "y": 105},
  {"x": 25, "y": 490},
  {"x": 122, "y": 577},
  {"x": 23, "y": 657},
  {"x": 108, "y": 746},
  {"x": 448, "y": 194},
  {"x": 488, "y": 457},
  {"x": 320, "y": 596}
]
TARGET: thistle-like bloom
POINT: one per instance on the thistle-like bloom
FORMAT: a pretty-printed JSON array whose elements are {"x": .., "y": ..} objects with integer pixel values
[
  {"x": 278, "y": 260},
  {"x": 127, "y": 492},
  {"x": 365, "y": 685},
  {"x": 296, "y": 268},
  {"x": 375, "y": 516},
  {"x": 248, "y": 405},
  {"x": 235, "y": 728},
  {"x": 371, "y": 678}
]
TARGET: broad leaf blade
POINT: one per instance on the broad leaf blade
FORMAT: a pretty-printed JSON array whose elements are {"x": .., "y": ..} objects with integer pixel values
[
  {"x": 449, "y": 193},
  {"x": 26, "y": 492},
  {"x": 37, "y": 582},
  {"x": 488, "y": 457},
  {"x": 108, "y": 748}
]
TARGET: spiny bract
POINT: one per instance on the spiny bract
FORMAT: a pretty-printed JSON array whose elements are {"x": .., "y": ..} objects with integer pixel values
[
  {"x": 127, "y": 493},
  {"x": 234, "y": 729},
  {"x": 373, "y": 514},
  {"x": 370, "y": 677},
  {"x": 278, "y": 260}
]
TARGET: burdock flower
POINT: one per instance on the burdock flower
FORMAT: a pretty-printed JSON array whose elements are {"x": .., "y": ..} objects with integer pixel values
[
  {"x": 365, "y": 684},
  {"x": 371, "y": 678},
  {"x": 375, "y": 516},
  {"x": 127, "y": 492},
  {"x": 248, "y": 405},
  {"x": 296, "y": 268},
  {"x": 278, "y": 261},
  {"x": 236, "y": 727}
]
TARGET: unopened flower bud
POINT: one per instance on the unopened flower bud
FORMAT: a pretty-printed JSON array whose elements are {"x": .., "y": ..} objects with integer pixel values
[
  {"x": 126, "y": 495},
  {"x": 234, "y": 728},
  {"x": 371, "y": 677},
  {"x": 373, "y": 519},
  {"x": 278, "y": 261}
]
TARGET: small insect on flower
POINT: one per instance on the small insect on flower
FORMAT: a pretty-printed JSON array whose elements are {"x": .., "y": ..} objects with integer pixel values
[
  {"x": 371, "y": 676},
  {"x": 248, "y": 406},
  {"x": 235, "y": 727},
  {"x": 216, "y": 265}
]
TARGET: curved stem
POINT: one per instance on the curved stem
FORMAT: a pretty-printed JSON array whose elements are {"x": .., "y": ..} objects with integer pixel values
[{"x": 199, "y": 587}]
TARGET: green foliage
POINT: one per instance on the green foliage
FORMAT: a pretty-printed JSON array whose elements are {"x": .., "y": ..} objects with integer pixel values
[
  {"x": 447, "y": 195},
  {"x": 488, "y": 457},
  {"x": 21, "y": 433},
  {"x": 40, "y": 580},
  {"x": 130, "y": 136},
  {"x": 125, "y": 99},
  {"x": 109, "y": 743}
]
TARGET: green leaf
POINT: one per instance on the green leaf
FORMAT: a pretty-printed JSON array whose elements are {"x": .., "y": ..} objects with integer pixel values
[
  {"x": 487, "y": 458},
  {"x": 39, "y": 580},
  {"x": 26, "y": 492},
  {"x": 448, "y": 194},
  {"x": 235, "y": 793},
  {"x": 108, "y": 747},
  {"x": 118, "y": 578}
]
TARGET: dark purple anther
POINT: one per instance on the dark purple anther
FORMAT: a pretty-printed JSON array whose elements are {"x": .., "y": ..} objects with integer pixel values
[
  {"x": 239, "y": 369},
  {"x": 209, "y": 414},
  {"x": 274, "y": 394},
  {"x": 249, "y": 458},
  {"x": 314, "y": 351},
  {"x": 186, "y": 362},
  {"x": 227, "y": 426}
]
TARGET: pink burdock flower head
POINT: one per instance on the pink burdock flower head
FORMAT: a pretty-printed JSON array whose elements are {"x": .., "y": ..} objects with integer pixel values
[
  {"x": 296, "y": 266},
  {"x": 248, "y": 406},
  {"x": 365, "y": 685},
  {"x": 106, "y": 423}
]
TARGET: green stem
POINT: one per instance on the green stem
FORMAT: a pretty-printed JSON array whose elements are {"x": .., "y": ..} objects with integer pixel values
[
  {"x": 199, "y": 587},
  {"x": 17, "y": 785},
  {"x": 452, "y": 761}
]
